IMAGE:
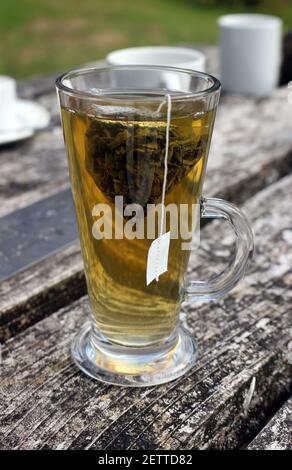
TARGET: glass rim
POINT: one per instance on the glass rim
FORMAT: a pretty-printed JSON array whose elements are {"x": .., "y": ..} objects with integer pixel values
[{"x": 109, "y": 96}]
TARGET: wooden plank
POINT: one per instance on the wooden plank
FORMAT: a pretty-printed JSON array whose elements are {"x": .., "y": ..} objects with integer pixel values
[
  {"x": 251, "y": 146},
  {"x": 32, "y": 166},
  {"x": 244, "y": 367},
  {"x": 277, "y": 434},
  {"x": 43, "y": 288}
]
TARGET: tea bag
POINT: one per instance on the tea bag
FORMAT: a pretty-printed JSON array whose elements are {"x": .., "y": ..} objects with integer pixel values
[
  {"x": 157, "y": 258},
  {"x": 124, "y": 152}
]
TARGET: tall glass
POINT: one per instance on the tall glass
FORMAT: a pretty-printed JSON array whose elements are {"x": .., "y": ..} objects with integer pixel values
[{"x": 137, "y": 141}]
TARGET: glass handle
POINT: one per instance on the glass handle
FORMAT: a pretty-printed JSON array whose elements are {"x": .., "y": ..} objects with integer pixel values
[{"x": 219, "y": 285}]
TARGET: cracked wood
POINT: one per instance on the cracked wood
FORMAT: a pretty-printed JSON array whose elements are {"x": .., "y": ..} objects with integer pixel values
[{"x": 277, "y": 434}]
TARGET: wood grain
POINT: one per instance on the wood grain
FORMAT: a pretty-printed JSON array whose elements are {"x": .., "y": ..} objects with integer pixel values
[
  {"x": 277, "y": 434},
  {"x": 243, "y": 372},
  {"x": 33, "y": 168},
  {"x": 29, "y": 296}
]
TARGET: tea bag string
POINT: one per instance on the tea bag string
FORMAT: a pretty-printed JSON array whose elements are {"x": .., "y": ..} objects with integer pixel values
[{"x": 168, "y": 117}]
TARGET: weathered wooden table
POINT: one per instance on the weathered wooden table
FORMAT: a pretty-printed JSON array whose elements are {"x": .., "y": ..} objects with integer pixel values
[{"x": 237, "y": 395}]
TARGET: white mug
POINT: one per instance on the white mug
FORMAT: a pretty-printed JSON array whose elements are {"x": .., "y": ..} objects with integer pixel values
[
  {"x": 250, "y": 49},
  {"x": 181, "y": 57}
]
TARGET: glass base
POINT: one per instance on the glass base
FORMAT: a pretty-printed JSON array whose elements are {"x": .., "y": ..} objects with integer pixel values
[{"x": 133, "y": 367}]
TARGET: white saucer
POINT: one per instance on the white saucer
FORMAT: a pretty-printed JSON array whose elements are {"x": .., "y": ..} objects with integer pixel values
[{"x": 30, "y": 116}]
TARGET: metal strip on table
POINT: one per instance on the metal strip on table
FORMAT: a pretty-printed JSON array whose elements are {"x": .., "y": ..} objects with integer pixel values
[{"x": 34, "y": 232}]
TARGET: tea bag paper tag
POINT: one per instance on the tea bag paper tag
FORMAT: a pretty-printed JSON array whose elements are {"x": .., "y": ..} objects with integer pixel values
[{"x": 157, "y": 259}]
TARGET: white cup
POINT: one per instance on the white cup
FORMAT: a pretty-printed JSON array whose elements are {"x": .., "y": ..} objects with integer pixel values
[
  {"x": 250, "y": 48},
  {"x": 181, "y": 57},
  {"x": 7, "y": 103},
  {"x": 159, "y": 55}
]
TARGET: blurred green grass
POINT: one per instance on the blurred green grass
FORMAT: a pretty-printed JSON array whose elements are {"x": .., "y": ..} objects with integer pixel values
[{"x": 45, "y": 36}]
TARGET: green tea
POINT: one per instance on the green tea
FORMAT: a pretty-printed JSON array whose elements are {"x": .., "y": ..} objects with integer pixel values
[{"x": 113, "y": 156}]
